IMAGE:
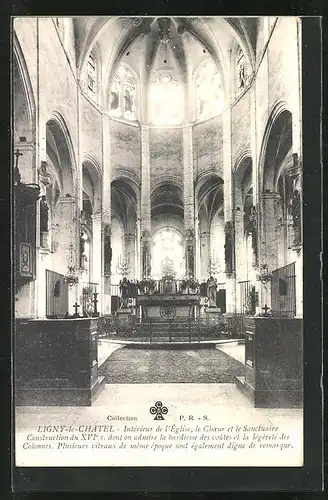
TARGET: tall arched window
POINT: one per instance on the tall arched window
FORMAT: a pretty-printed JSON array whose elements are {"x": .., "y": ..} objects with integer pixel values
[
  {"x": 92, "y": 78},
  {"x": 167, "y": 254},
  {"x": 209, "y": 91},
  {"x": 122, "y": 98},
  {"x": 166, "y": 100}
]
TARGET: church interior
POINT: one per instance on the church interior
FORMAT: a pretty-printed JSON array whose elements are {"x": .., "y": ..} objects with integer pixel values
[{"x": 157, "y": 171}]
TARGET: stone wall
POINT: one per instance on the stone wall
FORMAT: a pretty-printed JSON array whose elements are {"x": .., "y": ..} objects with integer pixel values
[
  {"x": 241, "y": 125},
  {"x": 166, "y": 155},
  {"x": 90, "y": 130},
  {"x": 125, "y": 150},
  {"x": 207, "y": 147}
]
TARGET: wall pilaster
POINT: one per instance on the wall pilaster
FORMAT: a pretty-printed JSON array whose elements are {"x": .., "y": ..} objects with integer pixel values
[
  {"x": 106, "y": 219},
  {"x": 145, "y": 207},
  {"x": 268, "y": 242},
  {"x": 189, "y": 201}
]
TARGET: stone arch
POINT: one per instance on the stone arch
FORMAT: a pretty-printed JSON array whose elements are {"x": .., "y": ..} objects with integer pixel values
[
  {"x": 124, "y": 202},
  {"x": 21, "y": 78},
  {"x": 91, "y": 167},
  {"x": 276, "y": 144},
  {"x": 57, "y": 134},
  {"x": 130, "y": 178},
  {"x": 209, "y": 195},
  {"x": 243, "y": 178},
  {"x": 167, "y": 199}
]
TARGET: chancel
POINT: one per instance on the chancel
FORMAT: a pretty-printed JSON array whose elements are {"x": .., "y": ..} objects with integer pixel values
[{"x": 158, "y": 198}]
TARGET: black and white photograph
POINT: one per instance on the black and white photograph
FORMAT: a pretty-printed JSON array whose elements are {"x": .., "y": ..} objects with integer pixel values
[{"x": 158, "y": 235}]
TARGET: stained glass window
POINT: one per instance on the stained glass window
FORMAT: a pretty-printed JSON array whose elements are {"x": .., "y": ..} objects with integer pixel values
[
  {"x": 168, "y": 253},
  {"x": 209, "y": 92},
  {"x": 166, "y": 99},
  {"x": 123, "y": 95},
  {"x": 115, "y": 95}
]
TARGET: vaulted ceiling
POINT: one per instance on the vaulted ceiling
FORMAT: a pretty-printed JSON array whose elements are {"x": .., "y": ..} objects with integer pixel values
[{"x": 118, "y": 37}]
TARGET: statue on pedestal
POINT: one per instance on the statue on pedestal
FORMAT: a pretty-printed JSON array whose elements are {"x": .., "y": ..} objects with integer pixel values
[
  {"x": 125, "y": 292},
  {"x": 44, "y": 215},
  {"x": 228, "y": 247},
  {"x": 107, "y": 249},
  {"x": 241, "y": 75},
  {"x": 211, "y": 291},
  {"x": 296, "y": 213},
  {"x": 190, "y": 260},
  {"x": 146, "y": 267}
]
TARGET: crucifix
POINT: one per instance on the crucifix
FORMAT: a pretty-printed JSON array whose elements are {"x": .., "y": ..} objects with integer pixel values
[
  {"x": 95, "y": 302},
  {"x": 76, "y": 307},
  {"x": 265, "y": 309},
  {"x": 17, "y": 176}
]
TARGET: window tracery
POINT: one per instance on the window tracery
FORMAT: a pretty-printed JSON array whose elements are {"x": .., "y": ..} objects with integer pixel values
[
  {"x": 123, "y": 95},
  {"x": 166, "y": 100},
  {"x": 168, "y": 253}
]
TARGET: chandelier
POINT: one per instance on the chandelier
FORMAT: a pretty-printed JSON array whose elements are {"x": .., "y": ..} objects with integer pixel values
[
  {"x": 213, "y": 265},
  {"x": 264, "y": 276},
  {"x": 71, "y": 277},
  {"x": 122, "y": 267}
]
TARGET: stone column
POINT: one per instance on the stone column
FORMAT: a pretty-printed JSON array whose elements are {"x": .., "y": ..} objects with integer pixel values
[
  {"x": 64, "y": 235},
  {"x": 43, "y": 260},
  {"x": 129, "y": 253},
  {"x": 205, "y": 249},
  {"x": 240, "y": 254},
  {"x": 268, "y": 242},
  {"x": 228, "y": 215},
  {"x": 189, "y": 201},
  {"x": 198, "y": 250},
  {"x": 43, "y": 242},
  {"x": 106, "y": 220},
  {"x": 138, "y": 250},
  {"x": 145, "y": 207},
  {"x": 96, "y": 255},
  {"x": 296, "y": 251}
]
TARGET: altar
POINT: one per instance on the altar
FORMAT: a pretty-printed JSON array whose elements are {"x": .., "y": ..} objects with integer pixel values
[{"x": 168, "y": 306}]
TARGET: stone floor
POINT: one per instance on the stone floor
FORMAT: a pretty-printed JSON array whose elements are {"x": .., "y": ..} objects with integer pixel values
[
  {"x": 177, "y": 364},
  {"x": 221, "y": 403},
  {"x": 233, "y": 349},
  {"x": 105, "y": 349}
]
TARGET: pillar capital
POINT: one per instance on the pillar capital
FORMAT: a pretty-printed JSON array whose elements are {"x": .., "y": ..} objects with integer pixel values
[
  {"x": 239, "y": 214},
  {"x": 295, "y": 168},
  {"x": 66, "y": 199},
  {"x": 97, "y": 216},
  {"x": 129, "y": 237},
  {"x": 269, "y": 195},
  {"x": 205, "y": 234}
]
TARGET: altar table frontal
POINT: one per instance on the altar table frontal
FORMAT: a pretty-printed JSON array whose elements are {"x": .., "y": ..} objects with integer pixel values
[{"x": 166, "y": 306}]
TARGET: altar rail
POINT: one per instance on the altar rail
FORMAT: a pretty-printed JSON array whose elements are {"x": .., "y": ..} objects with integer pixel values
[{"x": 172, "y": 330}]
